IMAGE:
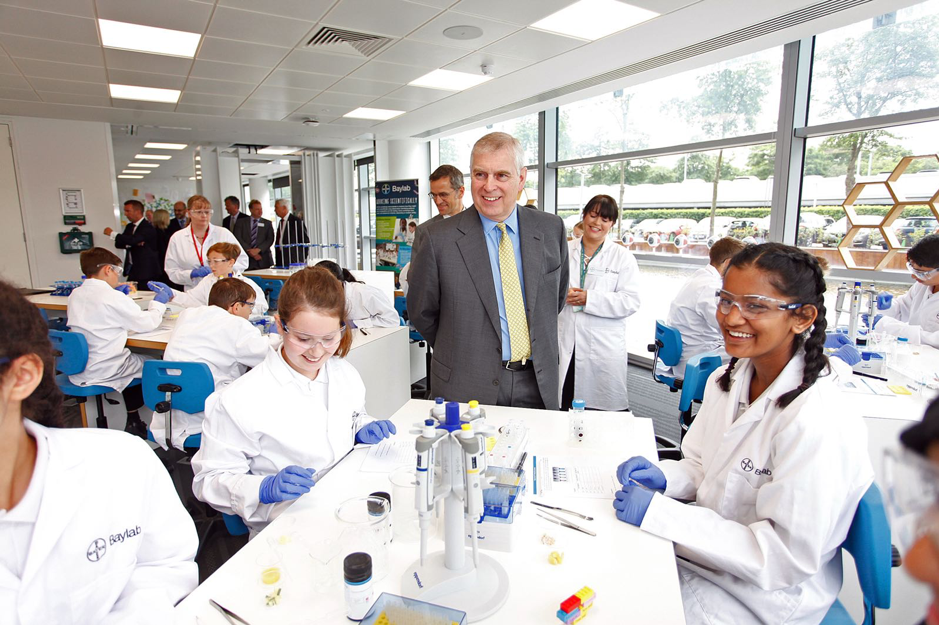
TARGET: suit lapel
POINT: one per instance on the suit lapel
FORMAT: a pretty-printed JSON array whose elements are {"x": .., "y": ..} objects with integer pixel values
[
  {"x": 530, "y": 239},
  {"x": 475, "y": 254}
]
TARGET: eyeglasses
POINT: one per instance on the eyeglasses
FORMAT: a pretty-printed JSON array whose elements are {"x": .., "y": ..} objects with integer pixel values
[
  {"x": 214, "y": 261},
  {"x": 249, "y": 304},
  {"x": 309, "y": 341},
  {"x": 442, "y": 196},
  {"x": 204, "y": 213},
  {"x": 922, "y": 274},
  {"x": 753, "y": 306}
]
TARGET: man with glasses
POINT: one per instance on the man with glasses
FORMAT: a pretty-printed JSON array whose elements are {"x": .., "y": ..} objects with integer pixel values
[
  {"x": 915, "y": 314},
  {"x": 139, "y": 240}
]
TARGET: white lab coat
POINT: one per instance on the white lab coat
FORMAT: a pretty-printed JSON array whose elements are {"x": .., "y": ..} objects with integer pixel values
[
  {"x": 269, "y": 419},
  {"x": 776, "y": 491},
  {"x": 368, "y": 306},
  {"x": 199, "y": 294},
  {"x": 599, "y": 331},
  {"x": 104, "y": 316},
  {"x": 228, "y": 344},
  {"x": 111, "y": 544},
  {"x": 693, "y": 312},
  {"x": 181, "y": 256},
  {"x": 914, "y": 315}
]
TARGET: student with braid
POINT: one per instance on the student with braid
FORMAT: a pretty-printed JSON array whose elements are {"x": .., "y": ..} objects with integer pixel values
[{"x": 775, "y": 467}]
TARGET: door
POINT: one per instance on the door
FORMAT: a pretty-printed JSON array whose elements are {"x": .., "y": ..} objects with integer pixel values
[{"x": 14, "y": 265}]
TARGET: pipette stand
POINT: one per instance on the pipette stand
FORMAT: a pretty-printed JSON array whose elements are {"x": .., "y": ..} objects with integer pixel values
[{"x": 855, "y": 302}]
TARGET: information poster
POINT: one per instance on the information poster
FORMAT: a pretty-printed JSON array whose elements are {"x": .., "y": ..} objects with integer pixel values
[{"x": 395, "y": 223}]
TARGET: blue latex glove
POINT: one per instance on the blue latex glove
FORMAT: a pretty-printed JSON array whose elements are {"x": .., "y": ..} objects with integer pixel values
[
  {"x": 849, "y": 354},
  {"x": 884, "y": 300},
  {"x": 123, "y": 288},
  {"x": 375, "y": 432},
  {"x": 834, "y": 341},
  {"x": 866, "y": 319},
  {"x": 199, "y": 272},
  {"x": 631, "y": 504},
  {"x": 289, "y": 483},
  {"x": 641, "y": 470},
  {"x": 161, "y": 292}
]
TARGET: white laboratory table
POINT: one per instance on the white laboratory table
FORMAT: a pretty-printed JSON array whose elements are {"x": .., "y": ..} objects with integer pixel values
[
  {"x": 633, "y": 573},
  {"x": 383, "y": 280},
  {"x": 898, "y": 407},
  {"x": 47, "y": 301}
]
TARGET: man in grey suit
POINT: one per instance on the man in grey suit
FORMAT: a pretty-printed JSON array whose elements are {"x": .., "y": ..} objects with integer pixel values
[
  {"x": 446, "y": 191},
  {"x": 488, "y": 286},
  {"x": 256, "y": 236}
]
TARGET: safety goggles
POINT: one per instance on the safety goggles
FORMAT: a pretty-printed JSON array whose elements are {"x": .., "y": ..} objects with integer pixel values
[
  {"x": 218, "y": 261},
  {"x": 248, "y": 304},
  {"x": 203, "y": 213},
  {"x": 922, "y": 274},
  {"x": 753, "y": 306},
  {"x": 912, "y": 494},
  {"x": 117, "y": 268},
  {"x": 309, "y": 341}
]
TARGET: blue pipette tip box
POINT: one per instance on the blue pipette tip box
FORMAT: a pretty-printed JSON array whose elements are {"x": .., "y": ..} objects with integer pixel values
[{"x": 392, "y": 609}]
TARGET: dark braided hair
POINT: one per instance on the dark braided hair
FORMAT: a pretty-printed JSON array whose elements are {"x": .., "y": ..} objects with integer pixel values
[
  {"x": 23, "y": 331},
  {"x": 797, "y": 275}
]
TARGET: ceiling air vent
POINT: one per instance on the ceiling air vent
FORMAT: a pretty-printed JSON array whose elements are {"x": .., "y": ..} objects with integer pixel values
[{"x": 363, "y": 43}]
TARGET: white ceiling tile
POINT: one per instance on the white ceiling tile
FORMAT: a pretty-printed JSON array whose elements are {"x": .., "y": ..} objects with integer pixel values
[
  {"x": 522, "y": 12},
  {"x": 388, "y": 72},
  {"x": 258, "y": 114},
  {"x": 221, "y": 87},
  {"x": 410, "y": 52},
  {"x": 498, "y": 65},
  {"x": 257, "y": 27},
  {"x": 325, "y": 111},
  {"x": 7, "y": 66},
  {"x": 534, "y": 45},
  {"x": 184, "y": 15},
  {"x": 63, "y": 71},
  {"x": 365, "y": 87},
  {"x": 145, "y": 79},
  {"x": 354, "y": 121},
  {"x": 433, "y": 31},
  {"x": 9, "y": 81},
  {"x": 144, "y": 106},
  {"x": 321, "y": 62},
  {"x": 388, "y": 17},
  {"x": 141, "y": 62},
  {"x": 18, "y": 94},
  {"x": 48, "y": 50},
  {"x": 310, "y": 10},
  {"x": 395, "y": 105},
  {"x": 211, "y": 99},
  {"x": 228, "y": 71},
  {"x": 51, "y": 85},
  {"x": 218, "y": 111},
  {"x": 279, "y": 106},
  {"x": 230, "y": 51},
  {"x": 299, "y": 80},
  {"x": 662, "y": 6},
  {"x": 440, "y": 4},
  {"x": 78, "y": 8},
  {"x": 331, "y": 98},
  {"x": 74, "y": 98},
  {"x": 43, "y": 24},
  {"x": 301, "y": 117},
  {"x": 287, "y": 94},
  {"x": 419, "y": 94}
]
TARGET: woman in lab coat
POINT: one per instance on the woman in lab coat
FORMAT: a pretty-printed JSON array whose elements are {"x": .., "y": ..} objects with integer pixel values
[
  {"x": 367, "y": 306},
  {"x": 82, "y": 542},
  {"x": 303, "y": 408},
  {"x": 221, "y": 258},
  {"x": 775, "y": 467},
  {"x": 915, "y": 314},
  {"x": 604, "y": 291}
]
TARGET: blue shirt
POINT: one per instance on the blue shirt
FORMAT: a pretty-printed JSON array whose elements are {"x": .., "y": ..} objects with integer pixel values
[{"x": 493, "y": 236}]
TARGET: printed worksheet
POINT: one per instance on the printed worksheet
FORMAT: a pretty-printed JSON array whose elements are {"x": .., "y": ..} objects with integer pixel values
[
  {"x": 591, "y": 478},
  {"x": 389, "y": 454}
]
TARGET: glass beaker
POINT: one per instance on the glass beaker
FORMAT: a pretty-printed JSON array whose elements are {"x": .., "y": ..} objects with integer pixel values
[
  {"x": 327, "y": 568},
  {"x": 365, "y": 529},
  {"x": 404, "y": 512}
]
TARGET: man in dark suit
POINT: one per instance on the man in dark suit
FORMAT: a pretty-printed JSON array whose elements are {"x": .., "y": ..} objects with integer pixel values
[
  {"x": 488, "y": 286},
  {"x": 290, "y": 238},
  {"x": 139, "y": 239},
  {"x": 179, "y": 221},
  {"x": 256, "y": 236},
  {"x": 446, "y": 191},
  {"x": 233, "y": 208}
]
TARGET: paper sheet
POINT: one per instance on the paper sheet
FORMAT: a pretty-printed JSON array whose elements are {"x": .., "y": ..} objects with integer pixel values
[
  {"x": 151, "y": 333},
  {"x": 389, "y": 455},
  {"x": 866, "y": 386},
  {"x": 585, "y": 477}
]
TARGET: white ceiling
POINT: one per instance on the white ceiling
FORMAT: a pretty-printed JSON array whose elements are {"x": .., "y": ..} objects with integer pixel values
[{"x": 253, "y": 80}]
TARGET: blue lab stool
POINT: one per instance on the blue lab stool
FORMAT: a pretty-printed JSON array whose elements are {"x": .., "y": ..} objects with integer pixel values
[
  {"x": 667, "y": 349},
  {"x": 71, "y": 351},
  {"x": 271, "y": 289},
  {"x": 697, "y": 371}
]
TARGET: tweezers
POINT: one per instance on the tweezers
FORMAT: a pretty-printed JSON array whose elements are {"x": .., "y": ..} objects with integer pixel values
[
  {"x": 232, "y": 618},
  {"x": 556, "y": 519},
  {"x": 578, "y": 514}
]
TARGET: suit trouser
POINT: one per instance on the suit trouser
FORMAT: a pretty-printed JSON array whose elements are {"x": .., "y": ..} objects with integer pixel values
[{"x": 519, "y": 389}]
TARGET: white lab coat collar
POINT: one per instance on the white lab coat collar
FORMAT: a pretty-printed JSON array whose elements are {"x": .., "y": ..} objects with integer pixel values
[
  {"x": 285, "y": 374},
  {"x": 788, "y": 379}
]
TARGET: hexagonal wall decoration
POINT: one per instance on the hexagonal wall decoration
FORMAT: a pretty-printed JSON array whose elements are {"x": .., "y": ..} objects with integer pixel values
[{"x": 856, "y": 222}]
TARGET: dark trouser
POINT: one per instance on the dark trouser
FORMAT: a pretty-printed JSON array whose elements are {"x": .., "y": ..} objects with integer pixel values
[
  {"x": 567, "y": 390},
  {"x": 519, "y": 389},
  {"x": 133, "y": 398}
]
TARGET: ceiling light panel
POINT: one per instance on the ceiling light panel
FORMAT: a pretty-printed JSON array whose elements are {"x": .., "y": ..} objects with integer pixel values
[
  {"x": 449, "y": 80},
  {"x": 154, "y": 157},
  {"x": 594, "y": 19},
  {"x": 364, "y": 112},
  {"x": 125, "y": 36},
  {"x": 134, "y": 177},
  {"x": 277, "y": 150},
  {"x": 151, "y": 165},
  {"x": 165, "y": 146},
  {"x": 136, "y": 171},
  {"x": 145, "y": 94}
]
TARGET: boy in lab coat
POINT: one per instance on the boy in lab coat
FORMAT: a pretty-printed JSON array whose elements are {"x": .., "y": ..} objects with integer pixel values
[
  {"x": 101, "y": 310},
  {"x": 221, "y": 336}
]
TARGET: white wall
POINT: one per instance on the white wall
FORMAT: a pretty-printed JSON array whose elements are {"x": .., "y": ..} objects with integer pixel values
[
  {"x": 258, "y": 190},
  {"x": 50, "y": 154},
  {"x": 169, "y": 188}
]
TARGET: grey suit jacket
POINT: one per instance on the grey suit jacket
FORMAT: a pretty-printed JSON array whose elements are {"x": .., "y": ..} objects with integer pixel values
[
  {"x": 452, "y": 303},
  {"x": 264, "y": 242}
]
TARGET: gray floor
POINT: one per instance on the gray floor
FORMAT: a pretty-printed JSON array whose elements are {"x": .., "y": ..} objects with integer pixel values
[{"x": 652, "y": 400}]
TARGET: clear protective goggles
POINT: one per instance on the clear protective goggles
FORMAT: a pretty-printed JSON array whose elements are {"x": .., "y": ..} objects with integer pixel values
[
  {"x": 218, "y": 261},
  {"x": 753, "y": 306},
  {"x": 912, "y": 496},
  {"x": 309, "y": 341},
  {"x": 922, "y": 274},
  {"x": 205, "y": 212},
  {"x": 117, "y": 268}
]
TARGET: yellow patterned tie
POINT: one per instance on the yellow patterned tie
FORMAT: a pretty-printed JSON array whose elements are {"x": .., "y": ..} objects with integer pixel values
[{"x": 514, "y": 303}]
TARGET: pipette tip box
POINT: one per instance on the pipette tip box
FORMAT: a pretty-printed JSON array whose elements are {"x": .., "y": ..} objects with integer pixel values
[{"x": 391, "y": 609}]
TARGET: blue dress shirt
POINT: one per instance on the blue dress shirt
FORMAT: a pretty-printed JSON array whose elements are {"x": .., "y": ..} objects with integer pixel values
[{"x": 493, "y": 236}]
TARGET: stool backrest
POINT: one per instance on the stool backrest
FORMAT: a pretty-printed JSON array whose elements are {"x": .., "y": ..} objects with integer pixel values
[
  {"x": 668, "y": 340},
  {"x": 74, "y": 350},
  {"x": 868, "y": 542},
  {"x": 194, "y": 378},
  {"x": 697, "y": 371}
]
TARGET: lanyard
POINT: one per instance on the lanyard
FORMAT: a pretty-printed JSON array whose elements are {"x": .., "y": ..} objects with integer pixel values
[
  {"x": 583, "y": 262},
  {"x": 197, "y": 248}
]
